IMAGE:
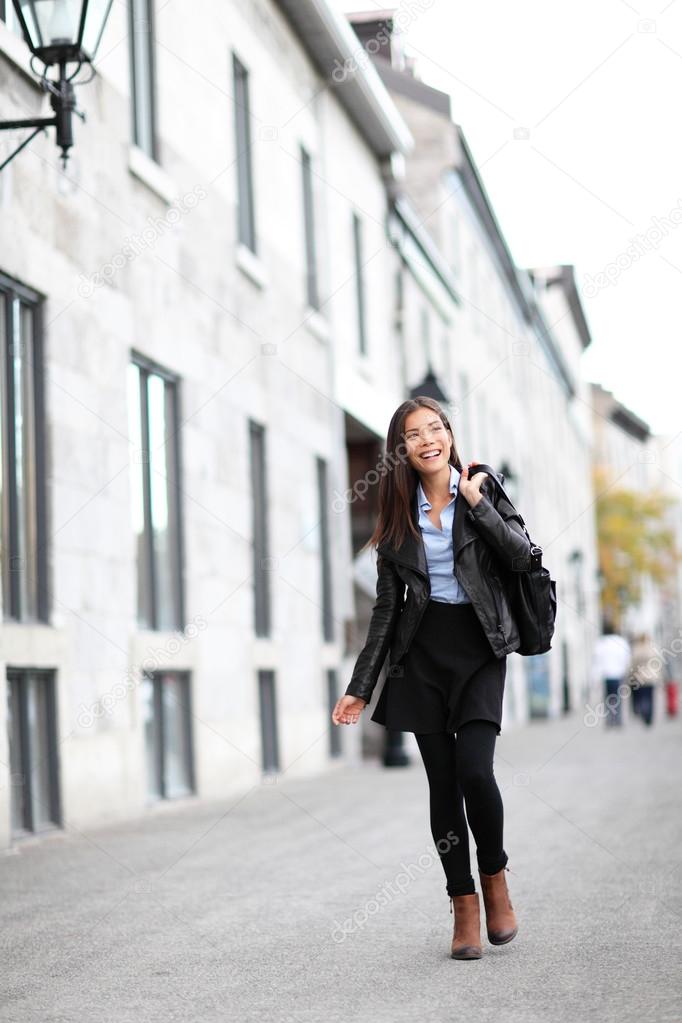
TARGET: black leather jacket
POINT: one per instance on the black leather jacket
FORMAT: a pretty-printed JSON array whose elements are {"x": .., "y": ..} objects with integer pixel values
[{"x": 488, "y": 542}]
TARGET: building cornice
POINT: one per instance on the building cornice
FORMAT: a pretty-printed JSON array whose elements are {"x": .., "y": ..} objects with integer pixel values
[
  {"x": 564, "y": 276},
  {"x": 347, "y": 69}
]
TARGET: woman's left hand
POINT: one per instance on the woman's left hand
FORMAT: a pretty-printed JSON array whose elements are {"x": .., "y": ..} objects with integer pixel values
[{"x": 471, "y": 488}]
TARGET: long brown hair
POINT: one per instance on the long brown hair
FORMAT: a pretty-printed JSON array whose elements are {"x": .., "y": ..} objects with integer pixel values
[{"x": 398, "y": 482}]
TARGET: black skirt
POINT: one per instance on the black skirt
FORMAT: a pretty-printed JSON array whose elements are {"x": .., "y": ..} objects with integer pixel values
[{"x": 449, "y": 675}]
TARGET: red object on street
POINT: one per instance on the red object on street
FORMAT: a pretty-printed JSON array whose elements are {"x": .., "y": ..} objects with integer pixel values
[{"x": 671, "y": 699}]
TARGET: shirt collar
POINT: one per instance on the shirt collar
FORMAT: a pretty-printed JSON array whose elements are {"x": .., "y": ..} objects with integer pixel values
[{"x": 454, "y": 480}]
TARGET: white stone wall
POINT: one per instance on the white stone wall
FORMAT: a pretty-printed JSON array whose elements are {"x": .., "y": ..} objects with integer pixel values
[
  {"x": 569, "y": 499},
  {"x": 191, "y": 302}
]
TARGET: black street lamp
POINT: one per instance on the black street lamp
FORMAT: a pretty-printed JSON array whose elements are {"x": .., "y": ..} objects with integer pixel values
[{"x": 59, "y": 32}]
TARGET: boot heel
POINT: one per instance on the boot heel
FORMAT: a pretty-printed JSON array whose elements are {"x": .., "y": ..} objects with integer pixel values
[
  {"x": 500, "y": 917},
  {"x": 466, "y": 939}
]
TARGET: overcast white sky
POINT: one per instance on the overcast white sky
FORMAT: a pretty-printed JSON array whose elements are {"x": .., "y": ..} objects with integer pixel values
[{"x": 599, "y": 88}]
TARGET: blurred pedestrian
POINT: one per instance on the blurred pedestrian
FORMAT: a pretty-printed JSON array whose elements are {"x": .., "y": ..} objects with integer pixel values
[
  {"x": 646, "y": 672},
  {"x": 610, "y": 664}
]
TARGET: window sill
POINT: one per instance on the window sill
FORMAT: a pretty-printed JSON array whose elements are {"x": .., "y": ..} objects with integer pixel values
[
  {"x": 17, "y": 52},
  {"x": 151, "y": 174},
  {"x": 251, "y": 266},
  {"x": 316, "y": 323}
]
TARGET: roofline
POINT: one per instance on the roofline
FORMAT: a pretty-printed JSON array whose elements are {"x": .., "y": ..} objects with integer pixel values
[
  {"x": 362, "y": 15},
  {"x": 518, "y": 280},
  {"x": 406, "y": 213},
  {"x": 623, "y": 417},
  {"x": 400, "y": 80},
  {"x": 404, "y": 83},
  {"x": 347, "y": 69},
  {"x": 564, "y": 275}
]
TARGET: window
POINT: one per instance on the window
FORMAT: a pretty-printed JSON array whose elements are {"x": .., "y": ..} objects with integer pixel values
[
  {"x": 154, "y": 417},
  {"x": 259, "y": 525},
  {"x": 484, "y": 454},
  {"x": 312, "y": 291},
  {"x": 246, "y": 229},
  {"x": 332, "y": 697},
  {"x": 143, "y": 84},
  {"x": 268, "y": 720},
  {"x": 455, "y": 243},
  {"x": 474, "y": 290},
  {"x": 325, "y": 558},
  {"x": 463, "y": 438},
  {"x": 32, "y": 733},
  {"x": 8, "y": 16},
  {"x": 426, "y": 335},
  {"x": 359, "y": 283},
  {"x": 22, "y": 466},
  {"x": 168, "y": 734}
]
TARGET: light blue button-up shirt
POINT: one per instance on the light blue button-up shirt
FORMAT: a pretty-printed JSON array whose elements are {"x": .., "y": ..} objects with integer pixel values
[{"x": 445, "y": 586}]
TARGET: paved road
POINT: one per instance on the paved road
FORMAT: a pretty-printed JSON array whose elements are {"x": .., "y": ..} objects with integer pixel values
[{"x": 323, "y": 899}]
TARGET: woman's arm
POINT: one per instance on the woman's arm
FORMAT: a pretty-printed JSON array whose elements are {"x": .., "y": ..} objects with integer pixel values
[
  {"x": 496, "y": 520},
  {"x": 385, "y": 612}
]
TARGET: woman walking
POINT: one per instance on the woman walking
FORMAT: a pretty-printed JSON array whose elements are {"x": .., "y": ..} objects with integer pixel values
[{"x": 445, "y": 538}]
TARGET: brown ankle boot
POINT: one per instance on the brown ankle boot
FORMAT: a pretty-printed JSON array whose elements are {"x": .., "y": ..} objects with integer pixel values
[
  {"x": 499, "y": 912},
  {"x": 466, "y": 940}
]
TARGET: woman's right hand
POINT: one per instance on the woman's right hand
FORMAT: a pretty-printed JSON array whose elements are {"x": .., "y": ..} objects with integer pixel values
[{"x": 347, "y": 710}]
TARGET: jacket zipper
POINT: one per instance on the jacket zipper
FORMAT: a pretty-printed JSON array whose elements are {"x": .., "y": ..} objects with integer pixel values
[{"x": 498, "y": 612}]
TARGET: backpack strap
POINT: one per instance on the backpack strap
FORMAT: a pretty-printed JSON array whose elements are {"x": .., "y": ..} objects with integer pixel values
[{"x": 535, "y": 549}]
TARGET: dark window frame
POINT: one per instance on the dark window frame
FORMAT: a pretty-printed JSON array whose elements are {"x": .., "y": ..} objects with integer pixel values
[
  {"x": 184, "y": 677},
  {"x": 360, "y": 293},
  {"x": 152, "y": 153},
  {"x": 258, "y": 463},
  {"x": 16, "y": 295},
  {"x": 269, "y": 724},
  {"x": 335, "y": 747},
  {"x": 426, "y": 333},
  {"x": 311, "y": 269},
  {"x": 150, "y": 617},
  {"x": 246, "y": 213},
  {"x": 5, "y": 6},
  {"x": 325, "y": 554},
  {"x": 21, "y": 677}
]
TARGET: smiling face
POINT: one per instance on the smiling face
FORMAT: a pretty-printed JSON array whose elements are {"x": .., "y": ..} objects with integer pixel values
[{"x": 427, "y": 440}]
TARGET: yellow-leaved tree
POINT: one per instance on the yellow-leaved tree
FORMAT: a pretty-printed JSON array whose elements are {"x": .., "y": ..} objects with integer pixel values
[{"x": 634, "y": 539}]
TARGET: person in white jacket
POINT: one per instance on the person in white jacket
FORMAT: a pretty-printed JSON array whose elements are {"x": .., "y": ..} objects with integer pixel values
[{"x": 610, "y": 664}]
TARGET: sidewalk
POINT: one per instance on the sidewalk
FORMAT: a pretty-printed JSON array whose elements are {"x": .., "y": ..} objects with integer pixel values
[{"x": 323, "y": 900}]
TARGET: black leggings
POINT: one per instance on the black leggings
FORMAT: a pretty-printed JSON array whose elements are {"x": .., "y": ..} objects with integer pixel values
[{"x": 461, "y": 769}]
